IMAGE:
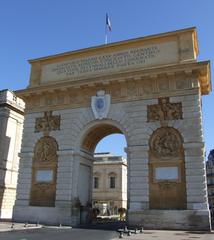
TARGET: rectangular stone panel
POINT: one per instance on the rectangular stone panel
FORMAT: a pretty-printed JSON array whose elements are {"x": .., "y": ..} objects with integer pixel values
[
  {"x": 44, "y": 175},
  {"x": 166, "y": 173},
  {"x": 143, "y": 56}
]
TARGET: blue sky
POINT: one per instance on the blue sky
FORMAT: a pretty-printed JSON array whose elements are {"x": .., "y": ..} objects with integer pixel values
[{"x": 31, "y": 29}]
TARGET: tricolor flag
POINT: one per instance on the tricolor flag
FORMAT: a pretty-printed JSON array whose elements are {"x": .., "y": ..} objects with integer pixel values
[{"x": 108, "y": 23}]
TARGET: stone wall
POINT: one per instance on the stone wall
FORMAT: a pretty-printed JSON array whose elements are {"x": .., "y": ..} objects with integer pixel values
[{"x": 11, "y": 126}]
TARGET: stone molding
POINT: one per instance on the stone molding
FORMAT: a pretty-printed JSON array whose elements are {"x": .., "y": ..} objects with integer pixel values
[
  {"x": 122, "y": 87},
  {"x": 187, "y": 145},
  {"x": 8, "y": 98},
  {"x": 71, "y": 152},
  {"x": 65, "y": 152},
  {"x": 26, "y": 154}
]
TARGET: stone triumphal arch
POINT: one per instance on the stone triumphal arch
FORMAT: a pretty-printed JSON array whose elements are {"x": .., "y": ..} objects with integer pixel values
[{"x": 148, "y": 89}]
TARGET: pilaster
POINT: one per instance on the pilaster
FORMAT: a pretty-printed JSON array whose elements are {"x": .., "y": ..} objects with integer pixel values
[
  {"x": 195, "y": 176},
  {"x": 138, "y": 178}
]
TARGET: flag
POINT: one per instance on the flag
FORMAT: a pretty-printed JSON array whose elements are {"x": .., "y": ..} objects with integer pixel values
[{"x": 108, "y": 23}]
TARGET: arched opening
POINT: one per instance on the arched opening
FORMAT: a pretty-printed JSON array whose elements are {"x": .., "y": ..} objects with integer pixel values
[
  {"x": 103, "y": 148},
  {"x": 97, "y": 133}
]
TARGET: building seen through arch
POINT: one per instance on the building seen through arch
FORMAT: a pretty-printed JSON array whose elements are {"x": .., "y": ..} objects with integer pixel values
[
  {"x": 109, "y": 183},
  {"x": 11, "y": 127},
  {"x": 210, "y": 182}
]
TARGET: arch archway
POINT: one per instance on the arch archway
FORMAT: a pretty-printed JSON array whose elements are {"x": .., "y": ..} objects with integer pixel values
[
  {"x": 95, "y": 131},
  {"x": 107, "y": 186}
]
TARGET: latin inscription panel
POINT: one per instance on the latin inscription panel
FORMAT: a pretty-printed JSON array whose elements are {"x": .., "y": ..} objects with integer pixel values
[
  {"x": 44, "y": 176},
  {"x": 166, "y": 173},
  {"x": 149, "y": 55}
]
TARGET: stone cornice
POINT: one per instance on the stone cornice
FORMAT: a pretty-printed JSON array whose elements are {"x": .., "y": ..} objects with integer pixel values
[
  {"x": 9, "y": 100},
  {"x": 201, "y": 70},
  {"x": 6, "y": 105}
]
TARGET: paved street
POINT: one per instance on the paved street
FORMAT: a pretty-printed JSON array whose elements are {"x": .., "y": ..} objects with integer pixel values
[
  {"x": 171, "y": 235},
  {"x": 32, "y": 232},
  {"x": 58, "y": 233}
]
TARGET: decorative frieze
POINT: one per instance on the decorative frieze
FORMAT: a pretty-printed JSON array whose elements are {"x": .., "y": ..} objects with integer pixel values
[{"x": 125, "y": 91}]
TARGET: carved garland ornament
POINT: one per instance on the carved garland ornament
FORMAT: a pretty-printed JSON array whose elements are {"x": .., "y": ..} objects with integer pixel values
[
  {"x": 166, "y": 185},
  {"x": 166, "y": 142}
]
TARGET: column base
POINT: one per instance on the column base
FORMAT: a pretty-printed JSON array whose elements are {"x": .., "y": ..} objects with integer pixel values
[
  {"x": 45, "y": 215},
  {"x": 171, "y": 219}
]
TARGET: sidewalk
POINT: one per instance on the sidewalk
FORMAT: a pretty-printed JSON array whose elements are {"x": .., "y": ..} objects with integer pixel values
[
  {"x": 170, "y": 235},
  {"x": 67, "y": 232},
  {"x": 9, "y": 226}
]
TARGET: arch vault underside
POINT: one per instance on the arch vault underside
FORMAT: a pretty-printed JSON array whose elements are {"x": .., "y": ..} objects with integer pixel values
[{"x": 97, "y": 133}]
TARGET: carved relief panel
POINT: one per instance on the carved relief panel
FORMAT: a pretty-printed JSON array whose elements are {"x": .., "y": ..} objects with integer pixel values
[
  {"x": 166, "y": 143},
  {"x": 45, "y": 150},
  {"x": 47, "y": 123},
  {"x": 43, "y": 187},
  {"x": 164, "y": 110},
  {"x": 167, "y": 184}
]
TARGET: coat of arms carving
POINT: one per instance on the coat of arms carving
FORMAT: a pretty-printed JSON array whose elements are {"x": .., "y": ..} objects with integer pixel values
[{"x": 100, "y": 104}]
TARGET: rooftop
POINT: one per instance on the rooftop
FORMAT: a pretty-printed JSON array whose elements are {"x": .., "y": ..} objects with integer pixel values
[
  {"x": 107, "y": 157},
  {"x": 8, "y": 97}
]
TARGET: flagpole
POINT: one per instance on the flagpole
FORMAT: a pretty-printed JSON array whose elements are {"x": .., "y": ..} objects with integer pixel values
[
  {"x": 106, "y": 38},
  {"x": 106, "y": 32}
]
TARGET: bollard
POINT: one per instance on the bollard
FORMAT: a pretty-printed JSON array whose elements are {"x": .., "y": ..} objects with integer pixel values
[
  {"x": 12, "y": 226},
  {"x": 60, "y": 225},
  {"x": 141, "y": 230},
  {"x": 135, "y": 231},
  {"x": 25, "y": 225},
  {"x": 129, "y": 233},
  {"x": 121, "y": 235}
]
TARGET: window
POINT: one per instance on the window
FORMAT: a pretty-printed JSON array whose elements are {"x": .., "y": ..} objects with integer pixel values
[
  {"x": 96, "y": 182},
  {"x": 112, "y": 182}
]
